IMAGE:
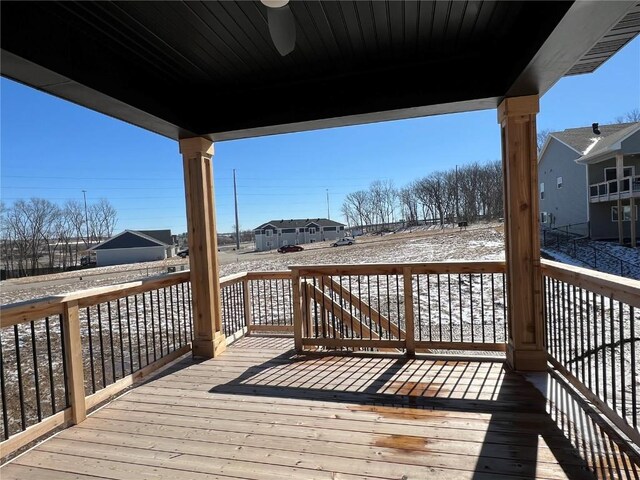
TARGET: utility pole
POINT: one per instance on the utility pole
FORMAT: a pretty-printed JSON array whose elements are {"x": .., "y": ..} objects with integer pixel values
[
  {"x": 328, "y": 213},
  {"x": 235, "y": 196},
  {"x": 86, "y": 215}
]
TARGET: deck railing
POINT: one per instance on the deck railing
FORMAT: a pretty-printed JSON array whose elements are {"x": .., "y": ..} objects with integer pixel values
[
  {"x": 409, "y": 307},
  {"x": 593, "y": 337},
  {"x": 63, "y": 355},
  {"x": 614, "y": 189}
]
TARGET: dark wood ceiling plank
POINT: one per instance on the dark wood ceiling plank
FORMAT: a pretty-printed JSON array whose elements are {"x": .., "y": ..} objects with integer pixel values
[
  {"x": 411, "y": 18},
  {"x": 101, "y": 20},
  {"x": 425, "y": 25},
  {"x": 454, "y": 24},
  {"x": 469, "y": 22},
  {"x": 440, "y": 20},
  {"x": 335, "y": 17},
  {"x": 381, "y": 21},
  {"x": 354, "y": 29},
  {"x": 364, "y": 14},
  {"x": 181, "y": 43},
  {"x": 398, "y": 27},
  {"x": 220, "y": 35}
]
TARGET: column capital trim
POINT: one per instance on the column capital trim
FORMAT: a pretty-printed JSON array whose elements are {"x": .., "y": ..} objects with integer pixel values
[
  {"x": 196, "y": 145},
  {"x": 516, "y": 106}
]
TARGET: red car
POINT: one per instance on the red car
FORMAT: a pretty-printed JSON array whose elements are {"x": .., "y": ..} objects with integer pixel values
[{"x": 290, "y": 248}]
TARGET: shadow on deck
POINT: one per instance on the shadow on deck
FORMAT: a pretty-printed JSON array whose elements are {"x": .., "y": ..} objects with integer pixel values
[{"x": 262, "y": 412}]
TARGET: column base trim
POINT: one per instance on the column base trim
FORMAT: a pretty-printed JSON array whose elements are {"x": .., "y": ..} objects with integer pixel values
[
  {"x": 527, "y": 360},
  {"x": 209, "y": 348}
]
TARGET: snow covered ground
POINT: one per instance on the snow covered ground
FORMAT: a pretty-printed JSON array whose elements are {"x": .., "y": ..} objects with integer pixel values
[
  {"x": 607, "y": 257},
  {"x": 448, "y": 308}
]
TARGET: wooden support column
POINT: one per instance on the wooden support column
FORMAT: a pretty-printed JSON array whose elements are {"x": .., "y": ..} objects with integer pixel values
[
  {"x": 525, "y": 348},
  {"x": 208, "y": 339}
]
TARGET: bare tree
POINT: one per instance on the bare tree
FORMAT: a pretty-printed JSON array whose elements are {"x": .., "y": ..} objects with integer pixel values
[
  {"x": 629, "y": 117},
  {"x": 102, "y": 219},
  {"x": 409, "y": 204},
  {"x": 542, "y": 137}
]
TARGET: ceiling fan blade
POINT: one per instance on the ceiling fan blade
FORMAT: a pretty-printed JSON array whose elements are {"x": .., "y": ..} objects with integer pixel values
[{"x": 282, "y": 28}]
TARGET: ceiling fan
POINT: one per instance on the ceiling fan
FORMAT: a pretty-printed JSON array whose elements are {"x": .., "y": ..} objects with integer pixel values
[{"x": 282, "y": 26}]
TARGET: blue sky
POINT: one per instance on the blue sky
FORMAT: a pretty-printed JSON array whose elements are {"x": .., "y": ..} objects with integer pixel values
[{"x": 53, "y": 149}]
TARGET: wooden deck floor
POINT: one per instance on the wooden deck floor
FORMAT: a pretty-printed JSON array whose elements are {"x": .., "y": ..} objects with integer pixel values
[{"x": 260, "y": 412}]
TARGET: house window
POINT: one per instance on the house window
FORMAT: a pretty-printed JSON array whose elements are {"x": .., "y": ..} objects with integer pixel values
[
  {"x": 626, "y": 213},
  {"x": 541, "y": 190},
  {"x": 268, "y": 233},
  {"x": 312, "y": 231},
  {"x": 559, "y": 182},
  {"x": 544, "y": 217},
  {"x": 610, "y": 173},
  {"x": 301, "y": 230}
]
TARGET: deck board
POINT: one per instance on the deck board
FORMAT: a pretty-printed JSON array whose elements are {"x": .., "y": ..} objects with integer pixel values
[{"x": 261, "y": 412}]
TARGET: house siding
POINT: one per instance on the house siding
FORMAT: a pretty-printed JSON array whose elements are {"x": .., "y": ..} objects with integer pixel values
[
  {"x": 280, "y": 238},
  {"x": 602, "y": 228},
  {"x": 631, "y": 144},
  {"x": 567, "y": 205},
  {"x": 120, "y": 256}
]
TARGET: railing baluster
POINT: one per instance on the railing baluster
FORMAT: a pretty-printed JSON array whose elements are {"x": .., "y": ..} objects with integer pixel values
[
  {"x": 3, "y": 396},
  {"x": 36, "y": 373},
  {"x": 23, "y": 419},
  {"x": 50, "y": 365},
  {"x": 112, "y": 351},
  {"x": 91, "y": 359},
  {"x": 122, "y": 366}
]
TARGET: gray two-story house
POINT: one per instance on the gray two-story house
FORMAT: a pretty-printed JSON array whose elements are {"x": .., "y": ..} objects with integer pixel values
[
  {"x": 277, "y": 233},
  {"x": 587, "y": 176}
]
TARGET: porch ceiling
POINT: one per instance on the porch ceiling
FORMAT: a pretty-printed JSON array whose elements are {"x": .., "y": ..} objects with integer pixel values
[{"x": 183, "y": 69}]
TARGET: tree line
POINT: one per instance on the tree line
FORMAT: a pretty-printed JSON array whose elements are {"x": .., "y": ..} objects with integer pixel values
[
  {"x": 466, "y": 193},
  {"x": 38, "y": 233}
]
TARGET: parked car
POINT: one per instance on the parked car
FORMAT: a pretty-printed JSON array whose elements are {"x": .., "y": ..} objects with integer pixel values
[
  {"x": 87, "y": 262},
  {"x": 184, "y": 253},
  {"x": 290, "y": 248},
  {"x": 344, "y": 241}
]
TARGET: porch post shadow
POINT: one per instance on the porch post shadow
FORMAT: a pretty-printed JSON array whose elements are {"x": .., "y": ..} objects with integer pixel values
[
  {"x": 208, "y": 340},
  {"x": 525, "y": 348}
]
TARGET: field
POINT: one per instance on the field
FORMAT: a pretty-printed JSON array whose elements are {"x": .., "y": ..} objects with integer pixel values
[{"x": 478, "y": 242}]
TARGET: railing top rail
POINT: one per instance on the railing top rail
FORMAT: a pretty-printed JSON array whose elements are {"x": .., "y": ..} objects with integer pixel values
[
  {"x": 26, "y": 311},
  {"x": 232, "y": 279},
  {"x": 269, "y": 275},
  {"x": 479, "y": 266},
  {"x": 613, "y": 286}
]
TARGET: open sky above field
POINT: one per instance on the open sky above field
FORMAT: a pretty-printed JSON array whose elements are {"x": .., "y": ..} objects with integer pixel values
[{"x": 53, "y": 149}]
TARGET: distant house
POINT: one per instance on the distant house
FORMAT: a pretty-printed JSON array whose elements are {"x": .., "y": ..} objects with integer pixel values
[
  {"x": 132, "y": 246},
  {"x": 277, "y": 233},
  {"x": 588, "y": 178}
]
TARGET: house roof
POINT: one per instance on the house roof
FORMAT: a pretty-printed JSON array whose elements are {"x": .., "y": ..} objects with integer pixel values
[
  {"x": 608, "y": 146},
  {"x": 162, "y": 235},
  {"x": 129, "y": 239},
  {"x": 583, "y": 140},
  {"x": 165, "y": 66},
  {"x": 301, "y": 222}
]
